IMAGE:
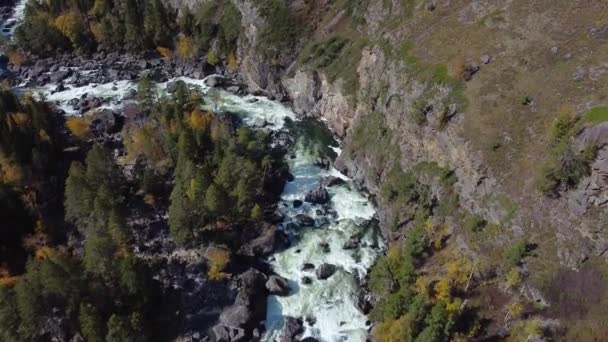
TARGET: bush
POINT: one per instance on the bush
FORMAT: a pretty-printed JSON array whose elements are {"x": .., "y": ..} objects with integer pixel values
[
  {"x": 218, "y": 261},
  {"x": 79, "y": 126},
  {"x": 515, "y": 253}
]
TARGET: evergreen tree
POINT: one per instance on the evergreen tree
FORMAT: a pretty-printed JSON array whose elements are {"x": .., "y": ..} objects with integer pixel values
[
  {"x": 91, "y": 324},
  {"x": 78, "y": 195}
]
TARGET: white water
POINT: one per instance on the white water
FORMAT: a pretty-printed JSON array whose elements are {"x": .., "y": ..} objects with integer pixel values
[
  {"x": 330, "y": 303},
  {"x": 14, "y": 20}
]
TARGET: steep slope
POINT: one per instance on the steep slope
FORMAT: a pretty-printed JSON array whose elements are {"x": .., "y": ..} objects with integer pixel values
[{"x": 470, "y": 91}]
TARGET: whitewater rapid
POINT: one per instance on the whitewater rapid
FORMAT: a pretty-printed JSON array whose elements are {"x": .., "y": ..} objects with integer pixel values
[
  {"x": 7, "y": 28},
  {"x": 327, "y": 307}
]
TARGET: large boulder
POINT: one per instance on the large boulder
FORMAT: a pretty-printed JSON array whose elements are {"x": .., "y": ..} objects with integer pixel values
[
  {"x": 332, "y": 181},
  {"x": 277, "y": 285},
  {"x": 325, "y": 271},
  {"x": 317, "y": 196},
  {"x": 236, "y": 316},
  {"x": 252, "y": 281},
  {"x": 292, "y": 329},
  {"x": 304, "y": 220},
  {"x": 228, "y": 334}
]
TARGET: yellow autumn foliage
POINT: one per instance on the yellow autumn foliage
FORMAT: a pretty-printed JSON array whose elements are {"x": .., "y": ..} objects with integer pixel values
[
  {"x": 212, "y": 58},
  {"x": 165, "y": 52},
  {"x": 16, "y": 56},
  {"x": 398, "y": 330},
  {"x": 233, "y": 63},
  {"x": 69, "y": 25},
  {"x": 44, "y": 253},
  {"x": 199, "y": 120},
  {"x": 185, "y": 47},
  {"x": 79, "y": 126},
  {"x": 8, "y": 282},
  {"x": 218, "y": 261}
]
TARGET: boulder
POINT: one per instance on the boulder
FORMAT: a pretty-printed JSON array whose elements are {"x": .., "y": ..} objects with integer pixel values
[
  {"x": 352, "y": 243},
  {"x": 215, "y": 81},
  {"x": 292, "y": 329},
  {"x": 263, "y": 245},
  {"x": 308, "y": 267},
  {"x": 60, "y": 75},
  {"x": 172, "y": 86},
  {"x": 306, "y": 280},
  {"x": 485, "y": 59},
  {"x": 325, "y": 271},
  {"x": 236, "y": 316},
  {"x": 332, "y": 181},
  {"x": 297, "y": 203},
  {"x": 304, "y": 220},
  {"x": 317, "y": 196},
  {"x": 252, "y": 281},
  {"x": 228, "y": 334},
  {"x": 325, "y": 247},
  {"x": 277, "y": 285}
]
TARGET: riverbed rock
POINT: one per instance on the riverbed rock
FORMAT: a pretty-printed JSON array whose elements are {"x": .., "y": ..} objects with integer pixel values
[
  {"x": 306, "y": 280},
  {"x": 304, "y": 220},
  {"x": 352, "y": 243},
  {"x": 277, "y": 285},
  {"x": 325, "y": 247},
  {"x": 228, "y": 334},
  {"x": 292, "y": 329},
  {"x": 332, "y": 181},
  {"x": 317, "y": 196},
  {"x": 325, "y": 271},
  {"x": 308, "y": 267},
  {"x": 297, "y": 203},
  {"x": 236, "y": 316}
]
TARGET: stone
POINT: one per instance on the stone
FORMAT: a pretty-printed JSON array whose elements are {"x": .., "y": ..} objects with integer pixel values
[
  {"x": 297, "y": 203},
  {"x": 317, "y": 196},
  {"x": 292, "y": 328},
  {"x": 308, "y": 267},
  {"x": 332, "y": 181},
  {"x": 304, "y": 220},
  {"x": 172, "y": 86},
  {"x": 277, "y": 285},
  {"x": 325, "y": 247},
  {"x": 352, "y": 243},
  {"x": 431, "y": 5},
  {"x": 235, "y": 316},
  {"x": 469, "y": 70},
  {"x": 485, "y": 59},
  {"x": 228, "y": 334},
  {"x": 306, "y": 280},
  {"x": 59, "y": 76},
  {"x": 554, "y": 50},
  {"x": 579, "y": 74},
  {"x": 325, "y": 271}
]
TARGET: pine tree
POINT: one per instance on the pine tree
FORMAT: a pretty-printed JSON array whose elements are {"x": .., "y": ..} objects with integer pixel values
[
  {"x": 91, "y": 324},
  {"x": 78, "y": 195}
]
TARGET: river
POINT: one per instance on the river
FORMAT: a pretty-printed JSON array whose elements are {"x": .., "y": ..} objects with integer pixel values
[{"x": 327, "y": 307}]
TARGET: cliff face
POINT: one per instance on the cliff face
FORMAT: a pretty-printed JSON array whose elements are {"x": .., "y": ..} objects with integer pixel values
[
  {"x": 390, "y": 85},
  {"x": 472, "y": 87}
]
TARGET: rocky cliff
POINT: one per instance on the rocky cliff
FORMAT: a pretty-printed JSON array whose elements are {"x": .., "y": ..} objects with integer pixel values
[{"x": 470, "y": 87}]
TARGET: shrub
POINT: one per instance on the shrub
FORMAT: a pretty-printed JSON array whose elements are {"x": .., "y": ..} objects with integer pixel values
[
  {"x": 165, "y": 52},
  {"x": 218, "y": 261},
  {"x": 515, "y": 253},
  {"x": 185, "y": 47},
  {"x": 474, "y": 223},
  {"x": 212, "y": 58},
  {"x": 233, "y": 63},
  {"x": 79, "y": 126},
  {"x": 16, "y": 56}
]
